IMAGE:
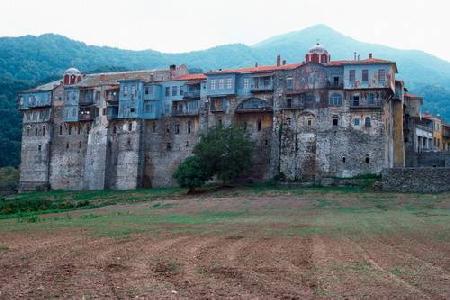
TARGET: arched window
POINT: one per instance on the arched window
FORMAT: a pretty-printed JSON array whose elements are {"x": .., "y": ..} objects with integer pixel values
[
  {"x": 343, "y": 159},
  {"x": 367, "y": 122},
  {"x": 336, "y": 99}
]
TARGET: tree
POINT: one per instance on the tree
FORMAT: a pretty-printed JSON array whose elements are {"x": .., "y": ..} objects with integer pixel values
[
  {"x": 225, "y": 151},
  {"x": 191, "y": 173}
]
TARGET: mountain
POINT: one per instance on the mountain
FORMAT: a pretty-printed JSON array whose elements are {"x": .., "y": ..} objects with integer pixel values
[{"x": 28, "y": 60}]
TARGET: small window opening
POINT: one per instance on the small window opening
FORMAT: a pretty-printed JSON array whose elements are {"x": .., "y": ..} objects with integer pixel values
[
  {"x": 60, "y": 130},
  {"x": 367, "y": 159},
  {"x": 289, "y": 103},
  {"x": 67, "y": 146},
  {"x": 177, "y": 128},
  {"x": 169, "y": 146},
  {"x": 189, "y": 127},
  {"x": 309, "y": 122},
  {"x": 36, "y": 130},
  {"x": 70, "y": 130},
  {"x": 39, "y": 147},
  {"x": 130, "y": 126},
  {"x": 128, "y": 142},
  {"x": 79, "y": 145},
  {"x": 335, "y": 120},
  {"x": 43, "y": 131},
  {"x": 114, "y": 130},
  {"x": 343, "y": 159},
  {"x": 259, "y": 125},
  {"x": 266, "y": 142},
  {"x": 79, "y": 130},
  {"x": 367, "y": 122},
  {"x": 187, "y": 144},
  {"x": 154, "y": 127}
]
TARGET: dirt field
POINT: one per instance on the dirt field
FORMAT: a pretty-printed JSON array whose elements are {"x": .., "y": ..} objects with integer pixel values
[{"x": 296, "y": 244}]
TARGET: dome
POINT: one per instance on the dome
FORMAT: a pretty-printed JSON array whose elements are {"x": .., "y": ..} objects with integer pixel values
[
  {"x": 318, "y": 48},
  {"x": 72, "y": 71}
]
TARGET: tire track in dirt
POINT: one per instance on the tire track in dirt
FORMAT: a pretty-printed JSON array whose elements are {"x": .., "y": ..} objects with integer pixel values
[{"x": 397, "y": 279}]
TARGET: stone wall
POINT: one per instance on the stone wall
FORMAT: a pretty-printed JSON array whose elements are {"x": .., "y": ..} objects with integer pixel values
[{"x": 417, "y": 180}]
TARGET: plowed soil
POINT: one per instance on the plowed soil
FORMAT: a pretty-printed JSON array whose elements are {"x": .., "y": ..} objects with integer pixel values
[{"x": 314, "y": 245}]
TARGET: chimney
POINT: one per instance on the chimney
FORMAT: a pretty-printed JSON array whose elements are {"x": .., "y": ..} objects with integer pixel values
[
  {"x": 256, "y": 64},
  {"x": 278, "y": 60},
  {"x": 284, "y": 62},
  {"x": 359, "y": 56},
  {"x": 354, "y": 55},
  {"x": 370, "y": 55}
]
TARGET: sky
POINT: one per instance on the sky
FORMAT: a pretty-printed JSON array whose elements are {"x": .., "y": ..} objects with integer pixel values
[{"x": 179, "y": 26}]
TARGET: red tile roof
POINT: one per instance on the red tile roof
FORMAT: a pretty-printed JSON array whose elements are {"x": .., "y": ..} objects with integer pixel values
[
  {"x": 409, "y": 95},
  {"x": 360, "y": 62},
  {"x": 187, "y": 77},
  {"x": 260, "y": 69}
]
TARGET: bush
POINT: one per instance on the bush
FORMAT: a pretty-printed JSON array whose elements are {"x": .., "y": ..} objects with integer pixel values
[
  {"x": 225, "y": 152},
  {"x": 222, "y": 152},
  {"x": 191, "y": 173}
]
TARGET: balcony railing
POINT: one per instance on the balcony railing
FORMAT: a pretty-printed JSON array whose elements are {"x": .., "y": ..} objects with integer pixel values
[
  {"x": 192, "y": 94},
  {"x": 262, "y": 87},
  {"x": 335, "y": 85},
  {"x": 365, "y": 104},
  {"x": 184, "y": 112}
]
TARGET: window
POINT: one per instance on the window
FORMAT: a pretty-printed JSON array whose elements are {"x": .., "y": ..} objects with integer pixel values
[
  {"x": 43, "y": 131},
  {"x": 36, "y": 131},
  {"x": 246, "y": 84},
  {"x": 356, "y": 121},
  {"x": 148, "y": 107},
  {"x": 382, "y": 75},
  {"x": 67, "y": 145},
  {"x": 367, "y": 159},
  {"x": 146, "y": 91},
  {"x": 352, "y": 76},
  {"x": 221, "y": 84},
  {"x": 125, "y": 90},
  {"x": 132, "y": 110},
  {"x": 219, "y": 122},
  {"x": 177, "y": 128},
  {"x": 343, "y": 159},
  {"x": 189, "y": 124},
  {"x": 336, "y": 99},
  {"x": 310, "y": 97},
  {"x": 309, "y": 122},
  {"x": 335, "y": 80},
  {"x": 114, "y": 130},
  {"x": 169, "y": 146},
  {"x": 213, "y": 84},
  {"x": 174, "y": 90},
  {"x": 70, "y": 130},
  {"x": 39, "y": 147},
  {"x": 187, "y": 144},
  {"x": 259, "y": 125},
  {"x": 355, "y": 100},
  {"x": 128, "y": 141},
  {"x": 60, "y": 130},
  {"x": 371, "y": 98},
  {"x": 289, "y": 103},
  {"x": 130, "y": 126},
  {"x": 154, "y": 127},
  {"x": 365, "y": 75},
  {"x": 104, "y": 111},
  {"x": 167, "y": 91},
  {"x": 28, "y": 131},
  {"x": 181, "y": 91},
  {"x": 289, "y": 83},
  {"x": 335, "y": 120},
  {"x": 229, "y": 83},
  {"x": 367, "y": 122}
]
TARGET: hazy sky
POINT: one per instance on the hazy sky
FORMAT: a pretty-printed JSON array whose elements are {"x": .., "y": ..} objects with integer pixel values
[{"x": 178, "y": 26}]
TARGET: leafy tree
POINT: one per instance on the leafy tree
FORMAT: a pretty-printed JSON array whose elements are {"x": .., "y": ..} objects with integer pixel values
[
  {"x": 225, "y": 152},
  {"x": 191, "y": 173}
]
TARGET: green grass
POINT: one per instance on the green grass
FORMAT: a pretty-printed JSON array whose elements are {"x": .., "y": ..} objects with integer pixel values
[{"x": 326, "y": 211}]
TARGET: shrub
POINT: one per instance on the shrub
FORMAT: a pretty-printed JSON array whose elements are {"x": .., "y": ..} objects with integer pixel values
[
  {"x": 225, "y": 152},
  {"x": 191, "y": 173}
]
